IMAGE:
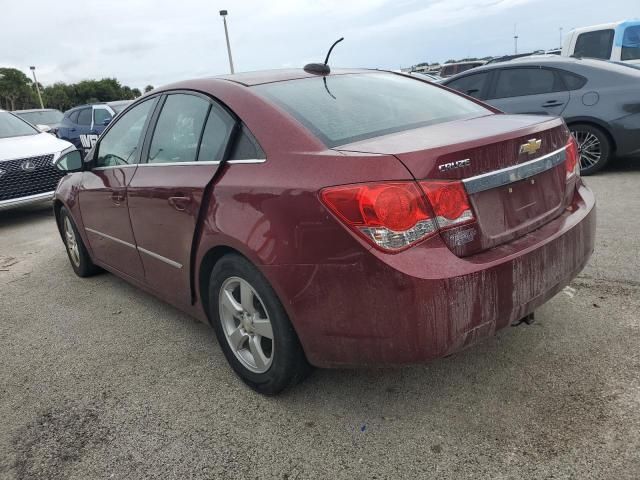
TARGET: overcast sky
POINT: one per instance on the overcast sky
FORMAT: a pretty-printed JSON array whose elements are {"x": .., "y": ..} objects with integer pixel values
[{"x": 155, "y": 42}]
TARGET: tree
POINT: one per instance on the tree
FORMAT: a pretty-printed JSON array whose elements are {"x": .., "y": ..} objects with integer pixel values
[
  {"x": 17, "y": 91},
  {"x": 15, "y": 87},
  {"x": 148, "y": 88}
]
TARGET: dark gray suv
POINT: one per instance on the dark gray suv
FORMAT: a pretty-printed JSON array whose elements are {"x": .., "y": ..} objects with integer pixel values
[{"x": 599, "y": 100}]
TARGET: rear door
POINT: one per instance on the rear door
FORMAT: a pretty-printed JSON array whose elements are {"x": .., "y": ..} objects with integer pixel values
[
  {"x": 531, "y": 90},
  {"x": 86, "y": 137},
  {"x": 180, "y": 158}
]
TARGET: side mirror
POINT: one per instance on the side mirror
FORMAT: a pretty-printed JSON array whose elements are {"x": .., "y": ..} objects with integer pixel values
[
  {"x": 70, "y": 162},
  {"x": 106, "y": 122},
  {"x": 44, "y": 128}
]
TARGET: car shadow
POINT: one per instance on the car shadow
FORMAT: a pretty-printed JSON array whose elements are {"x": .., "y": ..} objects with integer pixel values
[
  {"x": 626, "y": 164},
  {"x": 23, "y": 215}
]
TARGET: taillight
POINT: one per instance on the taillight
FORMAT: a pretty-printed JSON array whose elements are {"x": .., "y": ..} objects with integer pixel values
[
  {"x": 449, "y": 201},
  {"x": 395, "y": 215},
  {"x": 573, "y": 157}
]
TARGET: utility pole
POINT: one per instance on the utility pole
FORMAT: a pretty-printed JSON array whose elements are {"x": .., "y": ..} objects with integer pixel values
[
  {"x": 35, "y": 80},
  {"x": 223, "y": 14},
  {"x": 560, "y": 37},
  {"x": 515, "y": 39}
]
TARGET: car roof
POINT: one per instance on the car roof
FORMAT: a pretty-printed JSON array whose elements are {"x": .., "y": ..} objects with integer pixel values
[
  {"x": 280, "y": 75},
  {"x": 30, "y": 110},
  {"x": 603, "y": 26},
  {"x": 549, "y": 61}
]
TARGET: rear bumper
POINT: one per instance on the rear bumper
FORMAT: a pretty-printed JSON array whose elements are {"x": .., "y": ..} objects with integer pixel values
[
  {"x": 426, "y": 303},
  {"x": 24, "y": 201}
]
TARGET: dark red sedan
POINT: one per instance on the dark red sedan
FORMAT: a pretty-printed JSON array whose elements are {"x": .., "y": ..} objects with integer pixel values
[{"x": 352, "y": 218}]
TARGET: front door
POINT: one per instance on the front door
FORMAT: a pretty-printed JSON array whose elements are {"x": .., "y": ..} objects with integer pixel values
[
  {"x": 103, "y": 198},
  {"x": 166, "y": 192}
]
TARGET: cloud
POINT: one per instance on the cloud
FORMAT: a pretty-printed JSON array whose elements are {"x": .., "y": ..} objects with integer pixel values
[{"x": 160, "y": 41}]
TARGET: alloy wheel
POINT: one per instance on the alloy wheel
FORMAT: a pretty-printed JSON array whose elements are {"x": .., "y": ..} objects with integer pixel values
[
  {"x": 72, "y": 243},
  {"x": 246, "y": 324},
  {"x": 589, "y": 148}
]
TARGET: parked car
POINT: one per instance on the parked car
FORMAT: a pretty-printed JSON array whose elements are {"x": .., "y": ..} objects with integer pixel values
[
  {"x": 83, "y": 125},
  {"x": 616, "y": 41},
  {"x": 450, "y": 69},
  {"x": 595, "y": 97},
  {"x": 27, "y": 174},
  {"x": 427, "y": 76},
  {"x": 352, "y": 218},
  {"x": 119, "y": 105},
  {"x": 45, "y": 119}
]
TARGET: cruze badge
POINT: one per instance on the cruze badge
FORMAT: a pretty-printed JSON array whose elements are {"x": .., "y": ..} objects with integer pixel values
[
  {"x": 445, "y": 167},
  {"x": 28, "y": 166},
  {"x": 531, "y": 147}
]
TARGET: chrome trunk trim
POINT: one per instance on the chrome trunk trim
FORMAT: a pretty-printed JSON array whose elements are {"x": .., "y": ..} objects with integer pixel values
[{"x": 508, "y": 175}]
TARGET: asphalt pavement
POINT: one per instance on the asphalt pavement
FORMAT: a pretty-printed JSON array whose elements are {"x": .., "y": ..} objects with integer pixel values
[{"x": 101, "y": 380}]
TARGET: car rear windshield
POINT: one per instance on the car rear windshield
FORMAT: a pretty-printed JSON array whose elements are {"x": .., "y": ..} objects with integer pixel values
[
  {"x": 341, "y": 109},
  {"x": 46, "y": 117},
  {"x": 12, "y": 126}
]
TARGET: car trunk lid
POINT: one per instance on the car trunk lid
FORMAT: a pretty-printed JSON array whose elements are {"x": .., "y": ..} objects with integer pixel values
[{"x": 512, "y": 167}]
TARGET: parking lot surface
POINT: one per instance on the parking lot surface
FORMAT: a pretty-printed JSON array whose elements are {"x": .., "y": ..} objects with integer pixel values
[{"x": 101, "y": 380}]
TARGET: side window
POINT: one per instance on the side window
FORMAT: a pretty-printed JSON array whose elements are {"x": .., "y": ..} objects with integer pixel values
[
  {"x": 100, "y": 115},
  {"x": 84, "y": 117},
  {"x": 246, "y": 147},
  {"x": 216, "y": 134},
  {"x": 631, "y": 44},
  {"x": 517, "y": 82},
  {"x": 573, "y": 81},
  {"x": 74, "y": 116},
  {"x": 471, "y": 84},
  {"x": 120, "y": 143},
  {"x": 596, "y": 44},
  {"x": 178, "y": 130}
]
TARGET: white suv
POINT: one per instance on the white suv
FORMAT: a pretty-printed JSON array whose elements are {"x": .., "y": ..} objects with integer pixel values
[{"x": 27, "y": 156}]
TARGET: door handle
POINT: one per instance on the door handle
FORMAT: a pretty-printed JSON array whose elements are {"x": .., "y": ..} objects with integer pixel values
[
  {"x": 552, "y": 103},
  {"x": 117, "y": 197},
  {"x": 179, "y": 203}
]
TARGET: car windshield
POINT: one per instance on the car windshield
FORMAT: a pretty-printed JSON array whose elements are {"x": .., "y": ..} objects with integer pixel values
[
  {"x": 341, "y": 109},
  {"x": 47, "y": 117},
  {"x": 12, "y": 126}
]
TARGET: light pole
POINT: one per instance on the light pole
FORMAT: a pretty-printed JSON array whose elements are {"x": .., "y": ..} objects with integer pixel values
[
  {"x": 515, "y": 39},
  {"x": 35, "y": 80},
  {"x": 223, "y": 14},
  {"x": 560, "y": 37}
]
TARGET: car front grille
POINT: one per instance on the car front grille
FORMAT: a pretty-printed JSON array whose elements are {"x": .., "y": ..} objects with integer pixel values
[{"x": 28, "y": 176}]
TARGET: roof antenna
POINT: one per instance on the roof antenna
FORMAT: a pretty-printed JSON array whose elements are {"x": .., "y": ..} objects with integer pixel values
[{"x": 322, "y": 68}]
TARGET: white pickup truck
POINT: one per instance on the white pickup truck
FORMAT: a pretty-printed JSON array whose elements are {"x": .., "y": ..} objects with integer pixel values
[{"x": 617, "y": 41}]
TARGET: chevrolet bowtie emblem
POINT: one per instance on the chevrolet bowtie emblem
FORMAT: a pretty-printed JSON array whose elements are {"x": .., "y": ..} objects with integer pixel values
[{"x": 531, "y": 147}]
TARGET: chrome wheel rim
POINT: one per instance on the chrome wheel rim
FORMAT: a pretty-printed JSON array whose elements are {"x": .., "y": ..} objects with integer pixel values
[
  {"x": 72, "y": 243},
  {"x": 589, "y": 148},
  {"x": 246, "y": 324}
]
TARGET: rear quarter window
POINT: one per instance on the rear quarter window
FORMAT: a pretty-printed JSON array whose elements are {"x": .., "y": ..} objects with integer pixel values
[
  {"x": 572, "y": 80},
  {"x": 341, "y": 109}
]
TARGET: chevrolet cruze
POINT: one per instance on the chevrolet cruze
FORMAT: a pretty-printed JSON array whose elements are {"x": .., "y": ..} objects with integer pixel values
[{"x": 350, "y": 218}]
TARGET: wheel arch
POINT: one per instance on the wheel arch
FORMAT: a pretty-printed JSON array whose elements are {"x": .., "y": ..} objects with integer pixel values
[
  {"x": 594, "y": 122},
  {"x": 209, "y": 260},
  {"x": 57, "y": 207}
]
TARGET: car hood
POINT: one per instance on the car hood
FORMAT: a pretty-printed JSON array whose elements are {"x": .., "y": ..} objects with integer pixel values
[{"x": 30, "y": 146}]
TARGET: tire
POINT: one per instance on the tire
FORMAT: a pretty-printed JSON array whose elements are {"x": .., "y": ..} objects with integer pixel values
[
  {"x": 594, "y": 147},
  {"x": 76, "y": 251},
  {"x": 244, "y": 311}
]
